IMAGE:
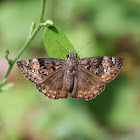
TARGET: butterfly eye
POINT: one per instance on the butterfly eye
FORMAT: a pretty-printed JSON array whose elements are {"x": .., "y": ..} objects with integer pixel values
[
  {"x": 67, "y": 56},
  {"x": 75, "y": 56}
]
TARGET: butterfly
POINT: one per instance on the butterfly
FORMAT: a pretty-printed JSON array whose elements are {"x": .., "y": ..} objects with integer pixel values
[{"x": 84, "y": 78}]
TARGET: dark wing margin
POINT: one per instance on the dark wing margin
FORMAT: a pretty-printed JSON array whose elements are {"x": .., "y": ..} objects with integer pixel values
[
  {"x": 86, "y": 86},
  {"x": 104, "y": 68},
  {"x": 36, "y": 70}
]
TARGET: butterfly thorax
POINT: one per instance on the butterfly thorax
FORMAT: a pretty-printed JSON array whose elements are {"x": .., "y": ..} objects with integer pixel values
[{"x": 71, "y": 62}]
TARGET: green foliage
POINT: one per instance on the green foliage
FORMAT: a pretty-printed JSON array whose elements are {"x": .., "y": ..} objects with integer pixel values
[{"x": 56, "y": 42}]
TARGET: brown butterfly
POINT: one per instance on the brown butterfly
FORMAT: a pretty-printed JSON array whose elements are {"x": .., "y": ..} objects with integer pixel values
[{"x": 83, "y": 78}]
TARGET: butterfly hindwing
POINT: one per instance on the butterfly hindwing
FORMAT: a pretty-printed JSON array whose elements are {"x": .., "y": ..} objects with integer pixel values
[
  {"x": 86, "y": 85},
  {"x": 54, "y": 86},
  {"x": 104, "y": 68}
]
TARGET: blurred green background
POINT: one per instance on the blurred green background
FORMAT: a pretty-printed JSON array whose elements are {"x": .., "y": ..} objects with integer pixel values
[{"x": 113, "y": 27}]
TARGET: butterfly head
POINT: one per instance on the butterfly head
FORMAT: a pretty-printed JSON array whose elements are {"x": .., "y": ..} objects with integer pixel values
[{"x": 72, "y": 55}]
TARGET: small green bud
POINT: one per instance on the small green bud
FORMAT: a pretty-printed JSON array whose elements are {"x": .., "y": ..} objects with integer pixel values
[
  {"x": 6, "y": 53},
  {"x": 32, "y": 26},
  {"x": 6, "y": 87},
  {"x": 47, "y": 23}
]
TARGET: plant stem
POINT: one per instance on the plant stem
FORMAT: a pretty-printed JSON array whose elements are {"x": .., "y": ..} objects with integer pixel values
[
  {"x": 26, "y": 43},
  {"x": 42, "y": 11}
]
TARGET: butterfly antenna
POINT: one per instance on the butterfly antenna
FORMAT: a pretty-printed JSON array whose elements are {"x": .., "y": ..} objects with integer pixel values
[
  {"x": 61, "y": 47},
  {"x": 83, "y": 47}
]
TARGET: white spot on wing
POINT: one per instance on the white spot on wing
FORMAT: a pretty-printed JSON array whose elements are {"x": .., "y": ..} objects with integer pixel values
[
  {"x": 105, "y": 70},
  {"x": 113, "y": 60},
  {"x": 109, "y": 68},
  {"x": 105, "y": 58},
  {"x": 27, "y": 62},
  {"x": 37, "y": 72},
  {"x": 34, "y": 60}
]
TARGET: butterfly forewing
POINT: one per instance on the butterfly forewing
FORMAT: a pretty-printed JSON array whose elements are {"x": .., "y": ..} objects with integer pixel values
[
  {"x": 104, "y": 68},
  {"x": 36, "y": 70}
]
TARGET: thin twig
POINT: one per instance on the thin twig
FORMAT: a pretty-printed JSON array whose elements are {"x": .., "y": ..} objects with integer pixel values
[{"x": 42, "y": 11}]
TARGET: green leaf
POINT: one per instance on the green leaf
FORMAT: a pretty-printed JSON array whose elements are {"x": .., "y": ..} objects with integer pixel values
[{"x": 52, "y": 34}]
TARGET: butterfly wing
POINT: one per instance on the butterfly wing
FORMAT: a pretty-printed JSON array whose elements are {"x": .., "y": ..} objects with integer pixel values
[
  {"x": 54, "y": 86},
  {"x": 86, "y": 85},
  {"x": 104, "y": 68},
  {"x": 47, "y": 74},
  {"x": 92, "y": 73},
  {"x": 36, "y": 70}
]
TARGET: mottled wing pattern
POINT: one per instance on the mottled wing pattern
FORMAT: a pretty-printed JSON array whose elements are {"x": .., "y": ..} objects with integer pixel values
[
  {"x": 103, "y": 68},
  {"x": 54, "y": 86},
  {"x": 47, "y": 74},
  {"x": 86, "y": 85},
  {"x": 36, "y": 70}
]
